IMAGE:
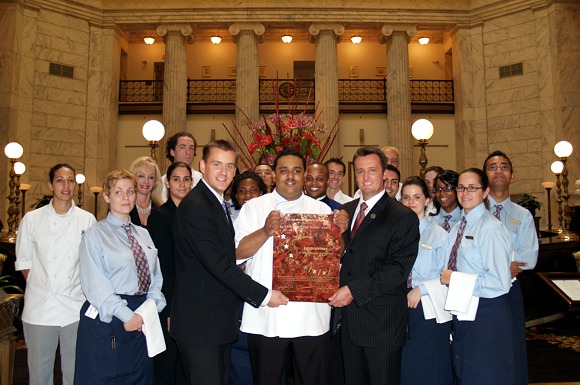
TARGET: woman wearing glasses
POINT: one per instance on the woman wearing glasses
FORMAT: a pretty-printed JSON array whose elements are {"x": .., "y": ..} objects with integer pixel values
[
  {"x": 427, "y": 341},
  {"x": 448, "y": 210},
  {"x": 478, "y": 255}
]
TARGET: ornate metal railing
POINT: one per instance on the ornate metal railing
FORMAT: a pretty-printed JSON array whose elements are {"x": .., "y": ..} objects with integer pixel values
[
  {"x": 354, "y": 95},
  {"x": 141, "y": 91},
  {"x": 431, "y": 90}
]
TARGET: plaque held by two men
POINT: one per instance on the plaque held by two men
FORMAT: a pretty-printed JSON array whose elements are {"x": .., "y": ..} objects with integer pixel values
[{"x": 307, "y": 251}]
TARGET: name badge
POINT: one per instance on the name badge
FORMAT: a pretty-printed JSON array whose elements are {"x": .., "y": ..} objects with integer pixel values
[
  {"x": 515, "y": 221},
  {"x": 425, "y": 246},
  {"x": 469, "y": 237}
]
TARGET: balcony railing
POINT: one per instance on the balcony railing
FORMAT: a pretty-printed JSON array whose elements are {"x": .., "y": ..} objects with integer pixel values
[{"x": 219, "y": 95}]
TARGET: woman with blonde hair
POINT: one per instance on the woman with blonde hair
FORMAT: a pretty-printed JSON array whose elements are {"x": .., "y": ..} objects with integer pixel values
[{"x": 149, "y": 189}]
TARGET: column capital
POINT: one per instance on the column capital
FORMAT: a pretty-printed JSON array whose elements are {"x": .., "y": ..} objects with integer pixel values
[
  {"x": 315, "y": 28},
  {"x": 388, "y": 29},
  {"x": 185, "y": 29},
  {"x": 236, "y": 28}
]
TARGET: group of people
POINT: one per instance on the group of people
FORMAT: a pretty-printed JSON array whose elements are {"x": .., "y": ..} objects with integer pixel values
[{"x": 428, "y": 281}]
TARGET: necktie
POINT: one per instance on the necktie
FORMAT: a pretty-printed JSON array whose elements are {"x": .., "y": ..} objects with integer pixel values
[
  {"x": 452, "y": 264},
  {"x": 226, "y": 207},
  {"x": 497, "y": 210},
  {"x": 143, "y": 273},
  {"x": 445, "y": 224},
  {"x": 359, "y": 218}
]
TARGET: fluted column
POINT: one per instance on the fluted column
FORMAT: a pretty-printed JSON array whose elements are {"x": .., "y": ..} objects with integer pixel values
[
  {"x": 326, "y": 36},
  {"x": 175, "y": 76},
  {"x": 247, "y": 36},
  {"x": 398, "y": 92}
]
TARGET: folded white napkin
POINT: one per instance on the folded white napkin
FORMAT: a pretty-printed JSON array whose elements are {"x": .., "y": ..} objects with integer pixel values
[
  {"x": 434, "y": 303},
  {"x": 460, "y": 300},
  {"x": 151, "y": 327}
]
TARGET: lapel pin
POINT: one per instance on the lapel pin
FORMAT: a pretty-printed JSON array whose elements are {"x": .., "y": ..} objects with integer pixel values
[{"x": 373, "y": 216}]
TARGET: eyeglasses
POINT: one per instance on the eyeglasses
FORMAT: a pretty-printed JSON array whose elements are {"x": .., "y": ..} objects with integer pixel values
[
  {"x": 502, "y": 167},
  {"x": 441, "y": 189},
  {"x": 468, "y": 188}
]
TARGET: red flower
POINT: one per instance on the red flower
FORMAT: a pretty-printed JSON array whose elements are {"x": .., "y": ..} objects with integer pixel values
[
  {"x": 266, "y": 140},
  {"x": 308, "y": 136},
  {"x": 253, "y": 147},
  {"x": 286, "y": 141},
  {"x": 279, "y": 148},
  {"x": 257, "y": 135}
]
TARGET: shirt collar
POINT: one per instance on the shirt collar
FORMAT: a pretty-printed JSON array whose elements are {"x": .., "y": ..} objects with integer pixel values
[
  {"x": 475, "y": 213},
  {"x": 115, "y": 221},
  {"x": 372, "y": 201},
  {"x": 220, "y": 197}
]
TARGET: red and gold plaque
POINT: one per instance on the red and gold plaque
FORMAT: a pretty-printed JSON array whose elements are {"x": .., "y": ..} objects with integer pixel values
[{"x": 307, "y": 257}]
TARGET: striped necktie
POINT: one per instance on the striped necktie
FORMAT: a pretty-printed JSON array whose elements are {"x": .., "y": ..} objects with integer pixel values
[
  {"x": 445, "y": 224},
  {"x": 143, "y": 272},
  {"x": 452, "y": 264},
  {"x": 359, "y": 218},
  {"x": 497, "y": 211}
]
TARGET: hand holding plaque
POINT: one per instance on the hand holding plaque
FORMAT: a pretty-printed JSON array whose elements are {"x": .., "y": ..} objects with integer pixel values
[{"x": 307, "y": 251}]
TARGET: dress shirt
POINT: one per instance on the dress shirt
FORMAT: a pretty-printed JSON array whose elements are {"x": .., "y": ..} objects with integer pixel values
[
  {"x": 342, "y": 198},
  {"x": 520, "y": 224},
  {"x": 430, "y": 258},
  {"x": 107, "y": 268},
  {"x": 439, "y": 219},
  {"x": 195, "y": 176},
  {"x": 48, "y": 245},
  {"x": 485, "y": 250},
  {"x": 297, "y": 319},
  {"x": 370, "y": 204}
]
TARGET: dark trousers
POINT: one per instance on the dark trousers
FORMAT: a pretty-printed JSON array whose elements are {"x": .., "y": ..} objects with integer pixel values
[
  {"x": 240, "y": 367},
  {"x": 516, "y": 304},
  {"x": 427, "y": 352},
  {"x": 482, "y": 352},
  {"x": 168, "y": 366},
  {"x": 108, "y": 355},
  {"x": 268, "y": 356},
  {"x": 205, "y": 365},
  {"x": 369, "y": 365}
]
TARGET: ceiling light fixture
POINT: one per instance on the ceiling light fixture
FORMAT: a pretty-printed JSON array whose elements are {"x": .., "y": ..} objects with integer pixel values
[
  {"x": 287, "y": 39},
  {"x": 356, "y": 39},
  {"x": 423, "y": 40},
  {"x": 149, "y": 40},
  {"x": 216, "y": 39}
]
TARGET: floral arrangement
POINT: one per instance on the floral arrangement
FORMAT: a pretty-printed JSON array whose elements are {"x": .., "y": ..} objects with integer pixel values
[{"x": 294, "y": 130}]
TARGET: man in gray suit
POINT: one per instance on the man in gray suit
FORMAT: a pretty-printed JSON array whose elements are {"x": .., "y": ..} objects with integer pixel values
[{"x": 371, "y": 304}]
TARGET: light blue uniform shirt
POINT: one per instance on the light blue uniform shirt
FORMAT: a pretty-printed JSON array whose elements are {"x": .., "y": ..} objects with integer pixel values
[
  {"x": 107, "y": 268},
  {"x": 485, "y": 250},
  {"x": 430, "y": 258},
  {"x": 520, "y": 223},
  {"x": 439, "y": 219}
]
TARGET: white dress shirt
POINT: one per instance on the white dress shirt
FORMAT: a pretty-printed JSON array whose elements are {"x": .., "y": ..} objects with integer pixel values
[{"x": 48, "y": 246}]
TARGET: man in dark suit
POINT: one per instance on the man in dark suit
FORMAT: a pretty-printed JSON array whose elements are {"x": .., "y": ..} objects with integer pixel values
[
  {"x": 371, "y": 304},
  {"x": 208, "y": 285},
  {"x": 316, "y": 182}
]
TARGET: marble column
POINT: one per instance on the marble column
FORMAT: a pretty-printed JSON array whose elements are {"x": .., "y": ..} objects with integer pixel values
[
  {"x": 326, "y": 36},
  {"x": 175, "y": 37},
  {"x": 247, "y": 36},
  {"x": 398, "y": 92}
]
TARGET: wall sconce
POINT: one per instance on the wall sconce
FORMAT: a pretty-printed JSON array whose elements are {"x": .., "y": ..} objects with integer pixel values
[
  {"x": 149, "y": 40},
  {"x": 153, "y": 132},
  {"x": 563, "y": 150},
  {"x": 24, "y": 187},
  {"x": 96, "y": 190},
  {"x": 287, "y": 39},
  {"x": 356, "y": 39},
  {"x": 80, "y": 178},
  {"x": 422, "y": 130},
  {"x": 423, "y": 40},
  {"x": 13, "y": 151},
  {"x": 557, "y": 168},
  {"x": 216, "y": 39}
]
